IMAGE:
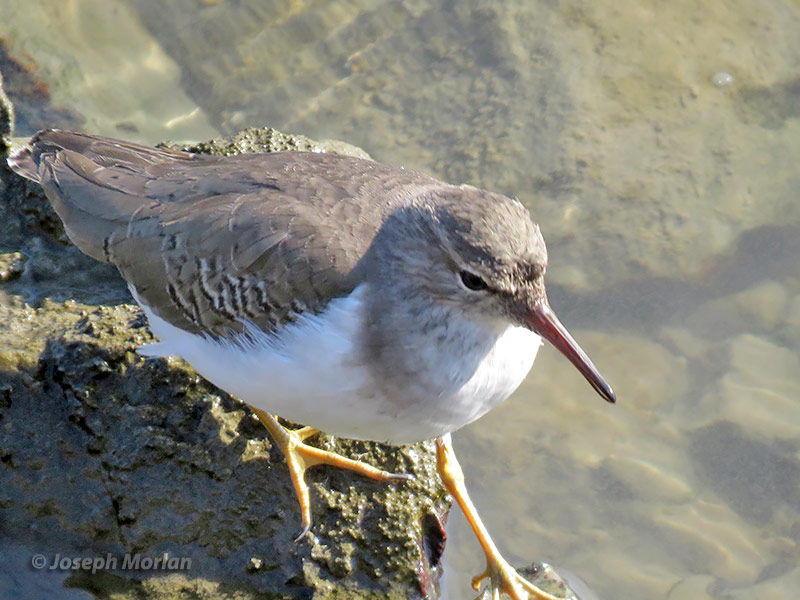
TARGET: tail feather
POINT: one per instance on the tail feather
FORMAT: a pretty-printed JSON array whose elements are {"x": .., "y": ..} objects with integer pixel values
[
  {"x": 23, "y": 164},
  {"x": 104, "y": 152},
  {"x": 95, "y": 184}
]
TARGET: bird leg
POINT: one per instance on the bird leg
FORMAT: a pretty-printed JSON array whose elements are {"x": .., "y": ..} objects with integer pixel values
[
  {"x": 503, "y": 577},
  {"x": 300, "y": 456}
]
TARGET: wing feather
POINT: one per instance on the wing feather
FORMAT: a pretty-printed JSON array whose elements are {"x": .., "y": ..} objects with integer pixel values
[{"x": 207, "y": 241}]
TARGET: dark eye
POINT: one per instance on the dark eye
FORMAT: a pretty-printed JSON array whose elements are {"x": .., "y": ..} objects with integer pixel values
[{"x": 472, "y": 282}]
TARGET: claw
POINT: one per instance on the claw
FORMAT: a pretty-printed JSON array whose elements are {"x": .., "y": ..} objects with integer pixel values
[
  {"x": 303, "y": 533},
  {"x": 476, "y": 581}
]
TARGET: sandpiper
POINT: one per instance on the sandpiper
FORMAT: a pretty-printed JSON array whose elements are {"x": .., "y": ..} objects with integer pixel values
[{"x": 364, "y": 300}]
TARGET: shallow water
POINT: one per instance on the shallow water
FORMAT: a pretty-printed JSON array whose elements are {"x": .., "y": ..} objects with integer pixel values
[{"x": 667, "y": 192}]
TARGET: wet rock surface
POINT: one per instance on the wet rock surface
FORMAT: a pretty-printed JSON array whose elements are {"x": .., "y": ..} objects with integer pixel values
[{"x": 104, "y": 453}]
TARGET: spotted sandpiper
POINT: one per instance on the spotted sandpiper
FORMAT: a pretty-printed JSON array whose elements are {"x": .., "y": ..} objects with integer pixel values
[{"x": 365, "y": 300}]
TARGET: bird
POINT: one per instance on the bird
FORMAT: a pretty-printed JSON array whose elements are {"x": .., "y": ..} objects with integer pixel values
[{"x": 365, "y": 300}]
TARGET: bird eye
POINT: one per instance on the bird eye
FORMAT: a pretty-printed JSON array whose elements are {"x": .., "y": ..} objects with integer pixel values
[{"x": 473, "y": 282}]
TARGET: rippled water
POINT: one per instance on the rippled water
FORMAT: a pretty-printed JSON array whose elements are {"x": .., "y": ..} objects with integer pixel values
[{"x": 657, "y": 145}]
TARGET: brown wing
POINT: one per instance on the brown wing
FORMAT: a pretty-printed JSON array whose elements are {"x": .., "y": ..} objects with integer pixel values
[{"x": 208, "y": 241}]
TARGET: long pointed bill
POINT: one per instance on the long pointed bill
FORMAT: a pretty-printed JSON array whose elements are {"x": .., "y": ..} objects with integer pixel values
[{"x": 543, "y": 321}]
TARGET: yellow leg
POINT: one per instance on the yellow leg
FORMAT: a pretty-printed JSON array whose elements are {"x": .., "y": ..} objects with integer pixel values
[
  {"x": 300, "y": 456},
  {"x": 504, "y": 578}
]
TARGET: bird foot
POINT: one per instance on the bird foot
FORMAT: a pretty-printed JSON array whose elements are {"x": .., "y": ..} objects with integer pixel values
[
  {"x": 300, "y": 457},
  {"x": 504, "y": 579}
]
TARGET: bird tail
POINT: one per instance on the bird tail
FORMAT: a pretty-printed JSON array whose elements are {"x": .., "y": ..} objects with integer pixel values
[
  {"x": 23, "y": 164},
  {"x": 104, "y": 152},
  {"x": 95, "y": 184}
]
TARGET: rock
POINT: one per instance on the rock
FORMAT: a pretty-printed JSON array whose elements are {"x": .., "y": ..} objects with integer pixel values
[
  {"x": 771, "y": 588},
  {"x": 107, "y": 454},
  {"x": 6, "y": 120},
  {"x": 706, "y": 540},
  {"x": 695, "y": 587},
  {"x": 266, "y": 139},
  {"x": 758, "y": 374},
  {"x": 645, "y": 481},
  {"x": 11, "y": 266},
  {"x": 758, "y": 309},
  {"x": 758, "y": 480}
]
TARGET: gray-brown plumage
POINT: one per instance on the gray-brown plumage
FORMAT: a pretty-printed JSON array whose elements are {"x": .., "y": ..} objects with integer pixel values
[{"x": 208, "y": 241}]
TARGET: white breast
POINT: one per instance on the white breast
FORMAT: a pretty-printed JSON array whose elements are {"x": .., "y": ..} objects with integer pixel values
[
  {"x": 501, "y": 371},
  {"x": 308, "y": 374}
]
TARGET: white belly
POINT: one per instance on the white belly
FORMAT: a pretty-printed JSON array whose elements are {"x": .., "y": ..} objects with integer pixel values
[{"x": 308, "y": 374}]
